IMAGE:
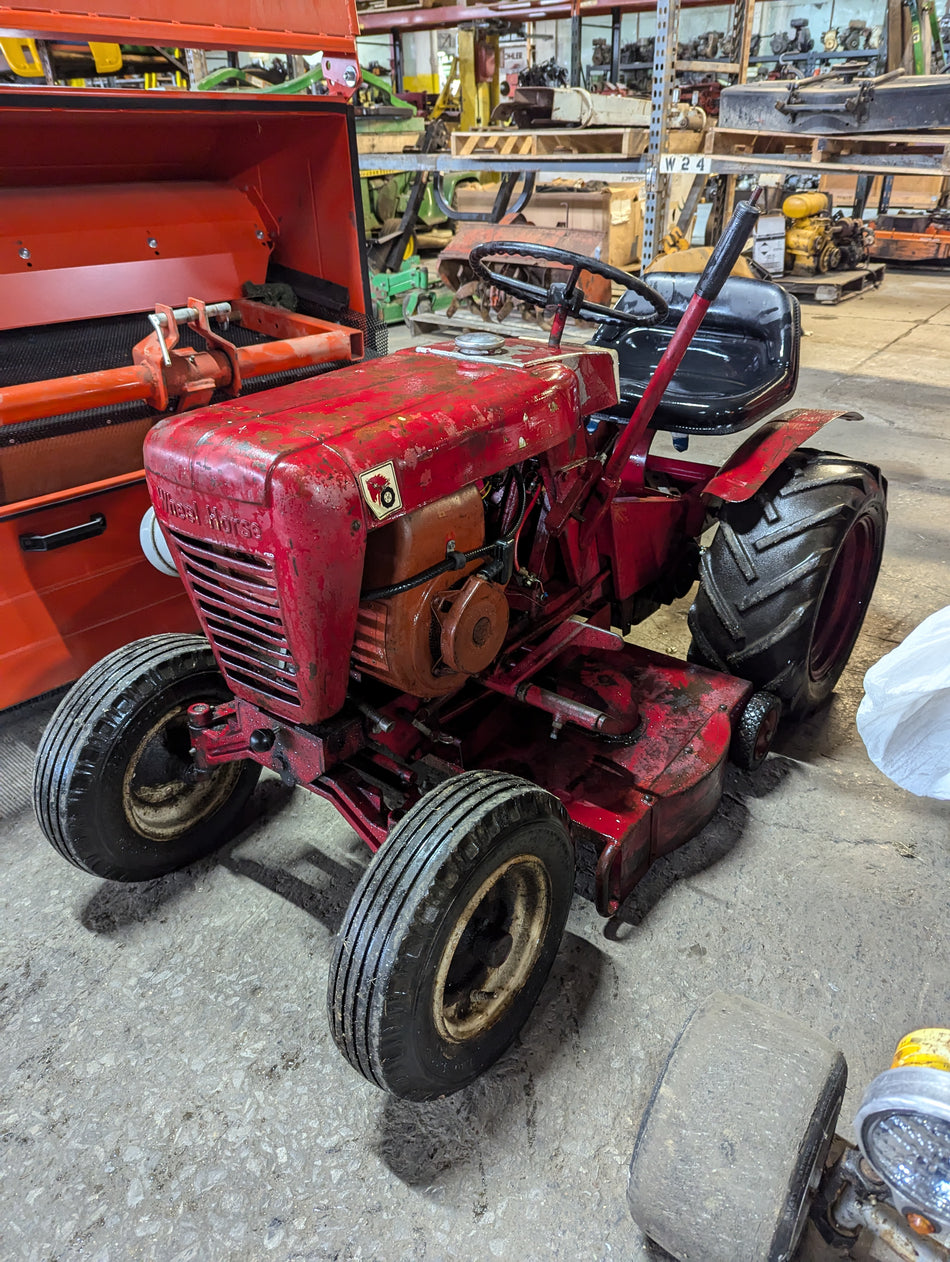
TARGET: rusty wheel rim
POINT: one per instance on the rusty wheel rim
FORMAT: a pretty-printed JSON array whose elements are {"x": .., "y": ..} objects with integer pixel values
[
  {"x": 493, "y": 949},
  {"x": 161, "y": 796}
]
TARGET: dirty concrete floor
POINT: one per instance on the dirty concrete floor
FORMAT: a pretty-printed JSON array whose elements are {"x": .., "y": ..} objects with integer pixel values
[{"x": 169, "y": 1087}]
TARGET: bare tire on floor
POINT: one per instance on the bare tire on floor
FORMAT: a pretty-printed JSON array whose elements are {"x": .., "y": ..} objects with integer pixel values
[
  {"x": 785, "y": 584},
  {"x": 735, "y": 1136},
  {"x": 114, "y": 786},
  {"x": 451, "y": 934}
]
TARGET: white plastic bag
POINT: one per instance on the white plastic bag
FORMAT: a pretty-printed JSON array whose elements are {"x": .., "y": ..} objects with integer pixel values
[{"x": 904, "y": 719}]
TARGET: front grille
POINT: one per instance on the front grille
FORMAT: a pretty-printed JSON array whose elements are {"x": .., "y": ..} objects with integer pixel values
[{"x": 236, "y": 595}]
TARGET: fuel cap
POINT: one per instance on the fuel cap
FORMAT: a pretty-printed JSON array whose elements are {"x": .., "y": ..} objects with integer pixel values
[{"x": 477, "y": 343}]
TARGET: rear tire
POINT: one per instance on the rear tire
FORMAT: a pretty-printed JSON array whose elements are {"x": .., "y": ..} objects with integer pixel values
[
  {"x": 451, "y": 934},
  {"x": 112, "y": 788},
  {"x": 785, "y": 584},
  {"x": 734, "y": 1139}
]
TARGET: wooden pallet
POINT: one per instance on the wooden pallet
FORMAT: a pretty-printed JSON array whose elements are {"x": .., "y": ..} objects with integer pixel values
[
  {"x": 728, "y": 142},
  {"x": 834, "y": 287},
  {"x": 589, "y": 142}
]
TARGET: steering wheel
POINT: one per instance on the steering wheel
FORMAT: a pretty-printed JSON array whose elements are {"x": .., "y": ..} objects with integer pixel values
[{"x": 565, "y": 296}]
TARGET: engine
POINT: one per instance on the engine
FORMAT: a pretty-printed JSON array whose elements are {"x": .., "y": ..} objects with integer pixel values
[
  {"x": 427, "y": 639},
  {"x": 817, "y": 241}
]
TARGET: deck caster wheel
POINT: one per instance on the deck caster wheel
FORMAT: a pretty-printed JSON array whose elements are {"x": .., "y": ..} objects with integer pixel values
[
  {"x": 734, "y": 1139},
  {"x": 115, "y": 789},
  {"x": 451, "y": 934},
  {"x": 755, "y": 730},
  {"x": 786, "y": 582}
]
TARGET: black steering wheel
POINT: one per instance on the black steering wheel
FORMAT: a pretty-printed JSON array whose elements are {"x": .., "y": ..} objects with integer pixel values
[{"x": 565, "y": 296}]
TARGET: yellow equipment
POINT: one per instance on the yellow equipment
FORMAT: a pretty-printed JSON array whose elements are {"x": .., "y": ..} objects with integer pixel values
[
  {"x": 23, "y": 57},
  {"x": 924, "y": 1047},
  {"x": 478, "y": 62},
  {"x": 693, "y": 259},
  {"x": 809, "y": 244}
]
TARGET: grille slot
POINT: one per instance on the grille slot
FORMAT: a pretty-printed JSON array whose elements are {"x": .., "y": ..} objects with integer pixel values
[{"x": 236, "y": 595}]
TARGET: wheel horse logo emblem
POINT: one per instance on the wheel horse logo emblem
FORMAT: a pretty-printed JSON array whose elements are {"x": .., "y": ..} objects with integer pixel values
[{"x": 381, "y": 490}]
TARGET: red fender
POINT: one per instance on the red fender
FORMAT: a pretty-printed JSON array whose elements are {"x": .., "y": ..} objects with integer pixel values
[{"x": 760, "y": 455}]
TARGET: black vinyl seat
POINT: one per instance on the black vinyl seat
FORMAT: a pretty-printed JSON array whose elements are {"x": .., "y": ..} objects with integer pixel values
[{"x": 741, "y": 365}]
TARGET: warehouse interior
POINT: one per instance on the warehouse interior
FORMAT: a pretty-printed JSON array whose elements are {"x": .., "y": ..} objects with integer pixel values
[{"x": 447, "y": 809}]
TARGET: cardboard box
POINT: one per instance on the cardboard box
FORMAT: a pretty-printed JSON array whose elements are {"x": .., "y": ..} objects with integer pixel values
[{"x": 615, "y": 210}]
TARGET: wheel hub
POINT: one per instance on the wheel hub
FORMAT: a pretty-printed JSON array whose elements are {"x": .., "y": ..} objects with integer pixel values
[
  {"x": 492, "y": 949},
  {"x": 162, "y": 794}
]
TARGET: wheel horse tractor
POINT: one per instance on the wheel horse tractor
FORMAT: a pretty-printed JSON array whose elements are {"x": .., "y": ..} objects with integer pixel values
[{"x": 414, "y": 577}]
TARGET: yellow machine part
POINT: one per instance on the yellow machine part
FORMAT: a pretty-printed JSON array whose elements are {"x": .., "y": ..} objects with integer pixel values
[
  {"x": 924, "y": 1047},
  {"x": 806, "y": 237},
  {"x": 801, "y": 205},
  {"x": 694, "y": 259},
  {"x": 108, "y": 57},
  {"x": 674, "y": 240},
  {"x": 22, "y": 56},
  {"x": 24, "y": 59},
  {"x": 449, "y": 97},
  {"x": 479, "y": 96}
]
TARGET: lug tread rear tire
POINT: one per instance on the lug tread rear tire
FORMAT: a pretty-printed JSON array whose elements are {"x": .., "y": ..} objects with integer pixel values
[
  {"x": 398, "y": 907},
  {"x": 70, "y": 755},
  {"x": 763, "y": 578}
]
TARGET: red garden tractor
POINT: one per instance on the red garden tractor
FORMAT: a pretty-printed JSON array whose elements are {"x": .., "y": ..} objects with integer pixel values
[{"x": 414, "y": 577}]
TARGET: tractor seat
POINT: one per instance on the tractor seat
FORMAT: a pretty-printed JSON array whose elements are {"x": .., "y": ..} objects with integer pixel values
[{"x": 741, "y": 365}]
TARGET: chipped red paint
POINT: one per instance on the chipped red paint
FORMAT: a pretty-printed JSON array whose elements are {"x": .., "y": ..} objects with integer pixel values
[
  {"x": 762, "y": 452},
  {"x": 286, "y": 464}
]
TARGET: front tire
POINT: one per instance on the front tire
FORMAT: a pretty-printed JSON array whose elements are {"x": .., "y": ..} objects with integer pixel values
[
  {"x": 786, "y": 583},
  {"x": 113, "y": 789},
  {"x": 451, "y": 934},
  {"x": 734, "y": 1139}
]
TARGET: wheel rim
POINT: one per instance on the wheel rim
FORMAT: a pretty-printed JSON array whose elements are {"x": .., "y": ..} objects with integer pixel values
[
  {"x": 493, "y": 949},
  {"x": 161, "y": 795},
  {"x": 843, "y": 601},
  {"x": 810, "y": 1185},
  {"x": 765, "y": 734}
]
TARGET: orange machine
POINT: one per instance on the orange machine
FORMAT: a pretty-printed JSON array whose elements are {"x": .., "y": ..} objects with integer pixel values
[
  {"x": 157, "y": 252},
  {"x": 910, "y": 238}
]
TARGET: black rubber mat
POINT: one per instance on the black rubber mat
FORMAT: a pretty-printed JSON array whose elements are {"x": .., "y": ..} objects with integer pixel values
[{"x": 65, "y": 350}]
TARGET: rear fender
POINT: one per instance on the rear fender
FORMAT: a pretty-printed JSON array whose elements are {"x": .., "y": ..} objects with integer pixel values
[{"x": 750, "y": 465}]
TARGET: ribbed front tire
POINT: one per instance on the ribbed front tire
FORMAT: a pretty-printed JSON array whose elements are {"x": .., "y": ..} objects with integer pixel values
[{"x": 451, "y": 934}]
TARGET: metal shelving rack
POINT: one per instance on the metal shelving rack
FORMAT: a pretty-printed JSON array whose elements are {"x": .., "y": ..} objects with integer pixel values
[
  {"x": 667, "y": 30},
  {"x": 657, "y": 183}
]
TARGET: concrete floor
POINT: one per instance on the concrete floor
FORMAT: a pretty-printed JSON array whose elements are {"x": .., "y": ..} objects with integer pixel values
[{"x": 169, "y": 1087}]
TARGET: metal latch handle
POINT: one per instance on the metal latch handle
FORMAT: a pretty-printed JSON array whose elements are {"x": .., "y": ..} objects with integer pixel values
[
  {"x": 184, "y": 315},
  {"x": 60, "y": 538}
]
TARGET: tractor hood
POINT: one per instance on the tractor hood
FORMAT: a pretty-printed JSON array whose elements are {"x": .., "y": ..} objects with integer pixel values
[{"x": 289, "y": 481}]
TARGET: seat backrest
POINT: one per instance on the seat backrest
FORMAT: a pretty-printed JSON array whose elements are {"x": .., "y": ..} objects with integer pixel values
[{"x": 756, "y": 308}]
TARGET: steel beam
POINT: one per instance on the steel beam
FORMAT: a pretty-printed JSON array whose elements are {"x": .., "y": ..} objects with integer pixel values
[{"x": 658, "y": 187}]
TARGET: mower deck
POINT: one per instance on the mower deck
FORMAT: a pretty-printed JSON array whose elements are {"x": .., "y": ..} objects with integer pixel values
[{"x": 646, "y": 793}]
